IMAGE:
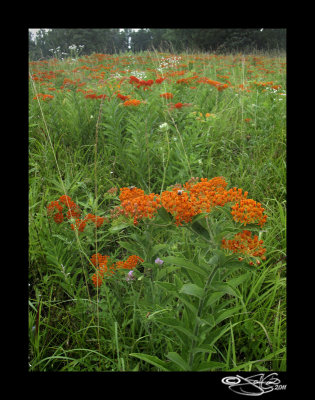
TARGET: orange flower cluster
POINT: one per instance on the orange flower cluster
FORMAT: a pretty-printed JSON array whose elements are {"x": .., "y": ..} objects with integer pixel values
[
  {"x": 220, "y": 86},
  {"x": 248, "y": 211},
  {"x": 138, "y": 205},
  {"x": 179, "y": 105},
  {"x": 167, "y": 95},
  {"x": 186, "y": 81},
  {"x": 73, "y": 209},
  {"x": 159, "y": 80},
  {"x": 98, "y": 221},
  {"x": 177, "y": 202},
  {"x": 243, "y": 243},
  {"x": 43, "y": 96},
  {"x": 95, "y": 96},
  {"x": 103, "y": 268},
  {"x": 185, "y": 202},
  {"x": 140, "y": 82},
  {"x": 130, "y": 263},
  {"x": 80, "y": 224},
  {"x": 132, "y": 102},
  {"x": 55, "y": 209},
  {"x": 122, "y": 97},
  {"x": 196, "y": 198}
]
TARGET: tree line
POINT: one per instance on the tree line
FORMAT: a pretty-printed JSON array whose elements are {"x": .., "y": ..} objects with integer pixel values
[{"x": 67, "y": 42}]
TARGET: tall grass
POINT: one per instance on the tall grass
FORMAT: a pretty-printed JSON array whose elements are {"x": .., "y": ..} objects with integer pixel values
[{"x": 84, "y": 147}]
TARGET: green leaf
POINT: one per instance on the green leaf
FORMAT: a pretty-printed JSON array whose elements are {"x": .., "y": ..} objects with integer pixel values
[
  {"x": 170, "y": 287},
  {"x": 165, "y": 271},
  {"x": 165, "y": 215},
  {"x": 153, "y": 360},
  {"x": 200, "y": 230},
  {"x": 157, "y": 248},
  {"x": 210, "y": 366},
  {"x": 224, "y": 287},
  {"x": 203, "y": 321},
  {"x": 237, "y": 281},
  {"x": 131, "y": 247},
  {"x": 178, "y": 360},
  {"x": 226, "y": 314},
  {"x": 181, "y": 262},
  {"x": 215, "y": 335},
  {"x": 175, "y": 324},
  {"x": 193, "y": 290},
  {"x": 188, "y": 304},
  {"x": 118, "y": 228}
]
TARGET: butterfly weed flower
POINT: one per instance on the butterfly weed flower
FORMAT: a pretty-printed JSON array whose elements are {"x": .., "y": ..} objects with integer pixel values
[
  {"x": 243, "y": 243},
  {"x": 106, "y": 269},
  {"x": 248, "y": 211},
  {"x": 167, "y": 95},
  {"x": 103, "y": 268},
  {"x": 132, "y": 102},
  {"x": 73, "y": 209},
  {"x": 55, "y": 210},
  {"x": 79, "y": 225},
  {"x": 98, "y": 221},
  {"x": 138, "y": 205},
  {"x": 122, "y": 97},
  {"x": 159, "y": 80},
  {"x": 131, "y": 262}
]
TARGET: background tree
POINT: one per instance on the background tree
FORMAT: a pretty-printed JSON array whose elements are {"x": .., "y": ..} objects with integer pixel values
[{"x": 56, "y": 42}]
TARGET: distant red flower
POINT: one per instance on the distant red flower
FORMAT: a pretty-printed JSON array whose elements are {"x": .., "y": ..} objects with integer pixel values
[
  {"x": 159, "y": 80},
  {"x": 122, "y": 97},
  {"x": 79, "y": 225},
  {"x": 132, "y": 102},
  {"x": 167, "y": 95},
  {"x": 98, "y": 221}
]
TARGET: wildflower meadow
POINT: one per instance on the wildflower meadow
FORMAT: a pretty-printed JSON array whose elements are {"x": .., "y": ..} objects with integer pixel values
[{"x": 157, "y": 212}]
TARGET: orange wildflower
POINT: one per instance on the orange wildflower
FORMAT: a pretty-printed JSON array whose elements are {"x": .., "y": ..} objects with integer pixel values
[
  {"x": 73, "y": 209},
  {"x": 159, "y": 80},
  {"x": 79, "y": 225},
  {"x": 177, "y": 203},
  {"x": 138, "y": 205},
  {"x": 167, "y": 95},
  {"x": 122, "y": 97},
  {"x": 90, "y": 96},
  {"x": 243, "y": 243},
  {"x": 132, "y": 102},
  {"x": 130, "y": 263},
  {"x": 54, "y": 209},
  {"x": 103, "y": 268},
  {"x": 248, "y": 211},
  {"x": 98, "y": 221}
]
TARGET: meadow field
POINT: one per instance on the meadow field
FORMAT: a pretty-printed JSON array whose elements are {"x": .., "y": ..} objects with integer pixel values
[{"x": 157, "y": 212}]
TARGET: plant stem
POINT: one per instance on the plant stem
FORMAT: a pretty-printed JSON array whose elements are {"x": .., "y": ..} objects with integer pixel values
[{"x": 199, "y": 313}]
